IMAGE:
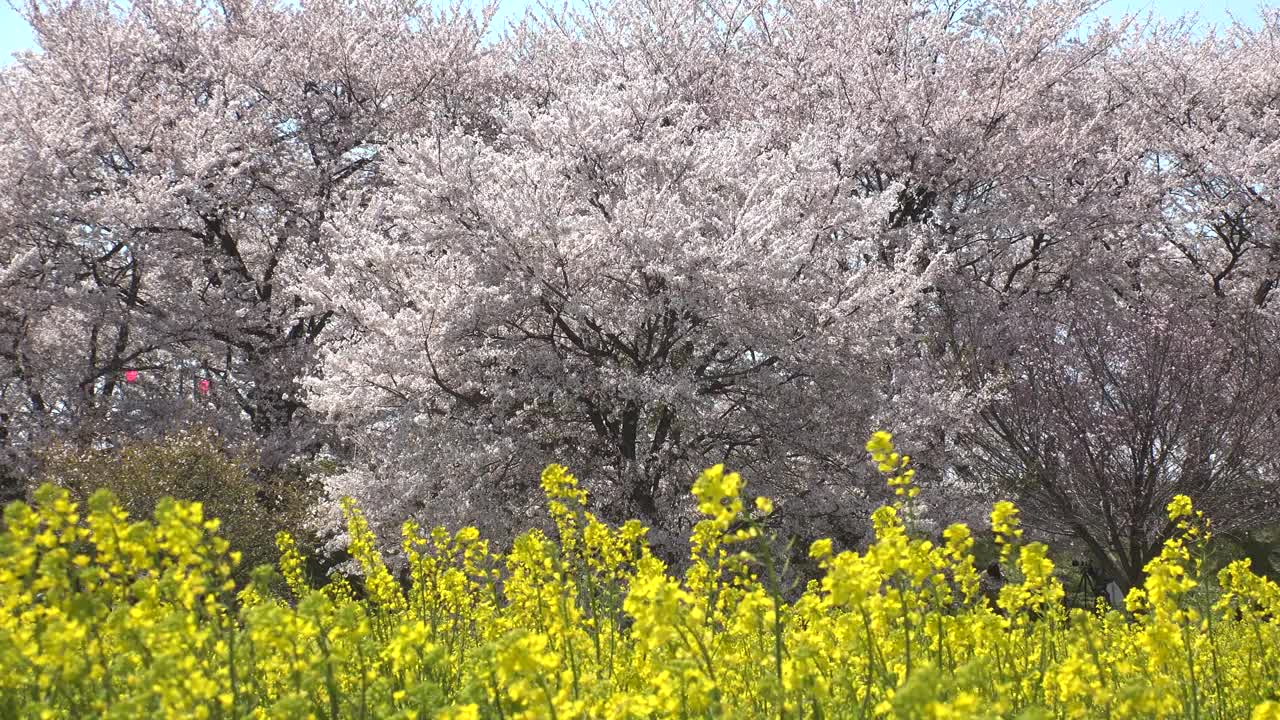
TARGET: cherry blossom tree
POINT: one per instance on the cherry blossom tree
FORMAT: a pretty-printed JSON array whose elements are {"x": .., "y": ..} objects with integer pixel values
[
  {"x": 1109, "y": 410},
  {"x": 168, "y": 169},
  {"x": 627, "y": 291},
  {"x": 1213, "y": 106},
  {"x": 1155, "y": 372}
]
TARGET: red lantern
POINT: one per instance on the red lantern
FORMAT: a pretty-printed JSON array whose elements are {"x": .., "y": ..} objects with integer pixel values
[
  {"x": 131, "y": 376},
  {"x": 203, "y": 386}
]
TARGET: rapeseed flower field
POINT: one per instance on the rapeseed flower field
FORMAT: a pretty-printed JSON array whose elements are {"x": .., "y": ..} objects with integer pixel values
[{"x": 105, "y": 616}]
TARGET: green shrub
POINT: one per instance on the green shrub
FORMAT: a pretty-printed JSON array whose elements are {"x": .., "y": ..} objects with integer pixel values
[{"x": 252, "y": 504}]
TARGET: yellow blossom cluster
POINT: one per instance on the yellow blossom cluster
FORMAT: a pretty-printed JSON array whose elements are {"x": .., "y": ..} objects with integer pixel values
[{"x": 105, "y": 616}]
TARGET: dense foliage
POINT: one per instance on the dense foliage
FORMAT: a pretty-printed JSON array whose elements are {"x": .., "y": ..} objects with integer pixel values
[
  {"x": 104, "y": 616},
  {"x": 253, "y": 504},
  {"x": 643, "y": 237}
]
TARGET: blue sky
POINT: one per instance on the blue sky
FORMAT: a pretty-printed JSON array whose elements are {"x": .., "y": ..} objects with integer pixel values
[{"x": 16, "y": 35}]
